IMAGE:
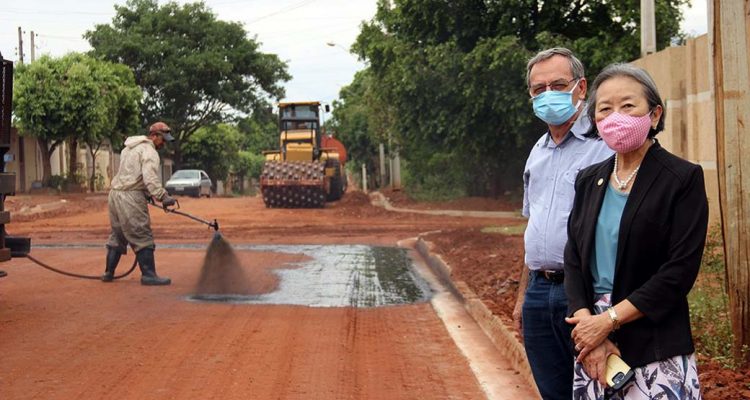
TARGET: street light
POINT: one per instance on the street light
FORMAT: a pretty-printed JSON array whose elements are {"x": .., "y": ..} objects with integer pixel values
[{"x": 334, "y": 44}]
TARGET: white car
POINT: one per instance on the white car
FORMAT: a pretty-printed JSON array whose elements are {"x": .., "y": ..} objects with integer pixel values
[{"x": 190, "y": 182}]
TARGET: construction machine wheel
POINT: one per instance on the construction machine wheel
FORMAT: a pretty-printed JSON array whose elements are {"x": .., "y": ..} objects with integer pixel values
[
  {"x": 336, "y": 183},
  {"x": 294, "y": 184}
]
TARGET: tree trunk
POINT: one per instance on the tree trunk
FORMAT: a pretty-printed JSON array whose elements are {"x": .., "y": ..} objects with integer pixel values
[
  {"x": 46, "y": 163},
  {"x": 92, "y": 178},
  {"x": 73, "y": 159},
  {"x": 731, "y": 77},
  {"x": 176, "y": 154}
]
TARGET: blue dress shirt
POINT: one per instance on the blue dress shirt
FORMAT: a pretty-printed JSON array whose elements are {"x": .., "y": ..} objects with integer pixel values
[{"x": 548, "y": 190}]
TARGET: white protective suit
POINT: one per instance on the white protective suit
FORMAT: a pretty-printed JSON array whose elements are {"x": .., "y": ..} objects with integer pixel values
[{"x": 136, "y": 179}]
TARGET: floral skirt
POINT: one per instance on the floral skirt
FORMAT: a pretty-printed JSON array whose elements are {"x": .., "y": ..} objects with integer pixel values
[{"x": 673, "y": 378}]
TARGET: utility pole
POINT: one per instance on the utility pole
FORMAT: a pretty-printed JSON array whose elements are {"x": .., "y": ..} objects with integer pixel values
[
  {"x": 396, "y": 179},
  {"x": 20, "y": 46},
  {"x": 648, "y": 28},
  {"x": 381, "y": 148},
  {"x": 31, "y": 44},
  {"x": 364, "y": 178}
]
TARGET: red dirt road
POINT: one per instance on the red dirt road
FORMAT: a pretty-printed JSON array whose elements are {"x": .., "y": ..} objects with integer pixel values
[{"x": 65, "y": 338}]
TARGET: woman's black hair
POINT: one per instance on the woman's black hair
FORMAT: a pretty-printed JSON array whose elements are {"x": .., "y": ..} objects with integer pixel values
[{"x": 639, "y": 75}]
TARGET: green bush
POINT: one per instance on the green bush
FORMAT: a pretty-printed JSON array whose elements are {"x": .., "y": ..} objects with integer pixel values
[
  {"x": 709, "y": 305},
  {"x": 56, "y": 182},
  {"x": 441, "y": 178}
]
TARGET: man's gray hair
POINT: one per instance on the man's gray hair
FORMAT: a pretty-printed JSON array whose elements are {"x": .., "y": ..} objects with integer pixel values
[
  {"x": 576, "y": 67},
  {"x": 637, "y": 74}
]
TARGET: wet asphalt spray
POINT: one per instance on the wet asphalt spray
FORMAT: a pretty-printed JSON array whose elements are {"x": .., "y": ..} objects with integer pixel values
[{"x": 222, "y": 272}]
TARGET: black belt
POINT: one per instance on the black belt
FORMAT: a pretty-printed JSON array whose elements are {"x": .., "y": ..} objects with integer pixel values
[{"x": 552, "y": 275}]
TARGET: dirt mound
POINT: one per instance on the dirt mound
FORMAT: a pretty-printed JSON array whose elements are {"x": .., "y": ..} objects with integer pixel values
[
  {"x": 356, "y": 204},
  {"x": 489, "y": 263},
  {"x": 25, "y": 208},
  {"x": 354, "y": 198}
]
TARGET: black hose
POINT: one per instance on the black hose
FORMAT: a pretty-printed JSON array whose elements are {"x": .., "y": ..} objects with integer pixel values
[{"x": 98, "y": 277}]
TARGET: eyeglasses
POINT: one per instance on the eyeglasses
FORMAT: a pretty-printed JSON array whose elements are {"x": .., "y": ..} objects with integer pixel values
[{"x": 557, "y": 86}]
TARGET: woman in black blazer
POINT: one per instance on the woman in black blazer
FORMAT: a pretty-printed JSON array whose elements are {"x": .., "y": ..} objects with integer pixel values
[{"x": 635, "y": 240}]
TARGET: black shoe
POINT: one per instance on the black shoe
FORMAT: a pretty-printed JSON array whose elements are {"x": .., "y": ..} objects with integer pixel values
[
  {"x": 113, "y": 258},
  {"x": 155, "y": 281},
  {"x": 148, "y": 269},
  {"x": 3, "y": 273}
]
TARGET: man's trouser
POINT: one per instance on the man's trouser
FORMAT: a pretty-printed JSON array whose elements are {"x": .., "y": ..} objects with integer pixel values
[
  {"x": 546, "y": 337},
  {"x": 129, "y": 221}
]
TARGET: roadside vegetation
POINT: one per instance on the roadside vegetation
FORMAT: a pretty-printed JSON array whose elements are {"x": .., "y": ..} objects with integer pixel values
[{"x": 709, "y": 306}]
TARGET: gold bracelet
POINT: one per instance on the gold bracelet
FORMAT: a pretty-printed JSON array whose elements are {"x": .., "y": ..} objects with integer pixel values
[{"x": 613, "y": 317}]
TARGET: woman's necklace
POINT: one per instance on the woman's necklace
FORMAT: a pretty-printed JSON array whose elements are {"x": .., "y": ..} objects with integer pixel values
[{"x": 624, "y": 184}]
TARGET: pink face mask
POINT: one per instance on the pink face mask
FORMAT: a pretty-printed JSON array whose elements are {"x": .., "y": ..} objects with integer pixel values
[{"x": 624, "y": 133}]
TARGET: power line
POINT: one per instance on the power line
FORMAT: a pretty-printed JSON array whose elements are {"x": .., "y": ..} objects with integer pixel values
[
  {"x": 224, "y": 3},
  {"x": 283, "y": 10},
  {"x": 61, "y": 37}
]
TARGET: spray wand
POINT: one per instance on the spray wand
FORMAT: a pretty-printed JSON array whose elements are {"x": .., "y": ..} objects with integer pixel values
[{"x": 175, "y": 210}]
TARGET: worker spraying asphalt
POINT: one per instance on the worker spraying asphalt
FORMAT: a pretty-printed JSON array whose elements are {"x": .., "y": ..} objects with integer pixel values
[
  {"x": 136, "y": 182},
  {"x": 221, "y": 273}
]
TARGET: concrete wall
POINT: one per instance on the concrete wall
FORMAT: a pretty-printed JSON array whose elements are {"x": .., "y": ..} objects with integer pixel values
[
  {"x": 682, "y": 76},
  {"x": 27, "y": 162}
]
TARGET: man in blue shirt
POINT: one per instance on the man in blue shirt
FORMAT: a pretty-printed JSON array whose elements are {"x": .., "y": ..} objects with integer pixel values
[{"x": 557, "y": 87}]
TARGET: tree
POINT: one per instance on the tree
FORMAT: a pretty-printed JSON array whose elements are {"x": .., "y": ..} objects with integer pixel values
[
  {"x": 213, "y": 149},
  {"x": 355, "y": 122},
  {"x": 73, "y": 97},
  {"x": 260, "y": 130},
  {"x": 121, "y": 96},
  {"x": 247, "y": 165},
  {"x": 194, "y": 70}
]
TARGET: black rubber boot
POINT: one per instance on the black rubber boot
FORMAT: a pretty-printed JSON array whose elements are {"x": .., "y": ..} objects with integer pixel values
[
  {"x": 113, "y": 258},
  {"x": 148, "y": 269}
]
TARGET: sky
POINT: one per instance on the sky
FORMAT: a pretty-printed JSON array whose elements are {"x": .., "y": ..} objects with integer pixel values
[{"x": 312, "y": 36}]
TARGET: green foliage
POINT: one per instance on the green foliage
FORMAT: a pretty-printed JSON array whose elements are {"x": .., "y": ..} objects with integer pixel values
[
  {"x": 447, "y": 79},
  {"x": 441, "y": 184},
  {"x": 356, "y": 123},
  {"x": 213, "y": 149},
  {"x": 74, "y": 97},
  {"x": 248, "y": 164},
  {"x": 56, "y": 182},
  {"x": 260, "y": 131},
  {"x": 194, "y": 69},
  {"x": 709, "y": 312}
]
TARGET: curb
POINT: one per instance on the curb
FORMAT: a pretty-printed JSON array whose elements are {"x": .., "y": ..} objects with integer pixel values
[{"x": 501, "y": 336}]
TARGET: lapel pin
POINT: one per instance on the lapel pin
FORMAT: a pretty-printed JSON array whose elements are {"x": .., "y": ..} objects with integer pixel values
[{"x": 600, "y": 181}]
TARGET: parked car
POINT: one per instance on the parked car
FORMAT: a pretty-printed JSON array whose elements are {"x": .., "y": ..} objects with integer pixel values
[{"x": 190, "y": 182}]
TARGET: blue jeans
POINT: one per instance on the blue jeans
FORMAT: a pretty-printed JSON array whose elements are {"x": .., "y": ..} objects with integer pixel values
[{"x": 546, "y": 338}]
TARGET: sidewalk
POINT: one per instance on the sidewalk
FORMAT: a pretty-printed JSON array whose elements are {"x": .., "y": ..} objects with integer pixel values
[{"x": 378, "y": 199}]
